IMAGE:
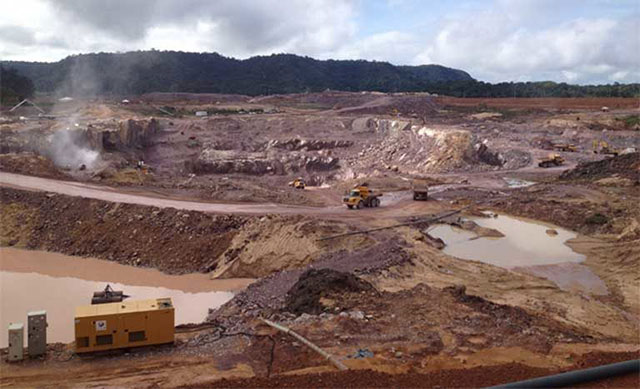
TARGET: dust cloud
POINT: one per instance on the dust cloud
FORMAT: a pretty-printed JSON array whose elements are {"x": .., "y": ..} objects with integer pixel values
[{"x": 68, "y": 146}]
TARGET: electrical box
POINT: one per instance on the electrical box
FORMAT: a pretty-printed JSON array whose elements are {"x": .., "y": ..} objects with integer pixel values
[
  {"x": 123, "y": 325},
  {"x": 16, "y": 342},
  {"x": 37, "y": 333}
]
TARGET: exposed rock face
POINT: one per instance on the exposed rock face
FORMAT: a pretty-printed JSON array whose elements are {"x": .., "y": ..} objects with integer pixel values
[
  {"x": 130, "y": 133},
  {"x": 370, "y": 124},
  {"x": 227, "y": 161},
  {"x": 308, "y": 145},
  {"x": 485, "y": 155}
]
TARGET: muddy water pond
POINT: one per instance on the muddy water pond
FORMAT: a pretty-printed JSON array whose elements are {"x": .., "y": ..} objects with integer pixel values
[
  {"x": 37, "y": 280},
  {"x": 528, "y": 246}
]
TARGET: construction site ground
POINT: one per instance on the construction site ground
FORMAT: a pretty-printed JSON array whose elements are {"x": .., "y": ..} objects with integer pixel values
[{"x": 149, "y": 184}]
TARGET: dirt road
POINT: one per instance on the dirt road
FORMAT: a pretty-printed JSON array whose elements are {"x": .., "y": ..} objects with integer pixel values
[
  {"x": 120, "y": 195},
  {"x": 105, "y": 193}
]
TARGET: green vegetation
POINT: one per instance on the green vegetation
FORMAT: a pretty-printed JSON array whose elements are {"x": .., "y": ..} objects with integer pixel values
[
  {"x": 472, "y": 88},
  {"x": 597, "y": 218},
  {"x": 631, "y": 120},
  {"x": 172, "y": 71},
  {"x": 14, "y": 87}
]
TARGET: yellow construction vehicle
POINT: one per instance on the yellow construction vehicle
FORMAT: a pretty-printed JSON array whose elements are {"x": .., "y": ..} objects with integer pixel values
[
  {"x": 551, "y": 160},
  {"x": 361, "y": 196},
  {"x": 566, "y": 147},
  {"x": 420, "y": 190},
  {"x": 298, "y": 183},
  {"x": 602, "y": 147}
]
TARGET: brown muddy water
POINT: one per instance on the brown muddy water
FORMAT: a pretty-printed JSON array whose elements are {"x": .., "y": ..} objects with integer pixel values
[
  {"x": 528, "y": 247},
  {"x": 56, "y": 283}
]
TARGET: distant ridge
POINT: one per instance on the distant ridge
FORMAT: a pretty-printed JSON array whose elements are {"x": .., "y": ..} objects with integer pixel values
[{"x": 172, "y": 71}]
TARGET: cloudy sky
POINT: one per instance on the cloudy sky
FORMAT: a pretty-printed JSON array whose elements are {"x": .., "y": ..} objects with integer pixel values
[{"x": 576, "y": 41}]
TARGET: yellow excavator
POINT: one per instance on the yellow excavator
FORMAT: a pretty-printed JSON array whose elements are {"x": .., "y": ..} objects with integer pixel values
[
  {"x": 602, "y": 147},
  {"x": 298, "y": 183},
  {"x": 361, "y": 196}
]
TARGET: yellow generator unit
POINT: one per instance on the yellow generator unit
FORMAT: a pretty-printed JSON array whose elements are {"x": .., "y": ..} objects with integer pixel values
[{"x": 123, "y": 325}]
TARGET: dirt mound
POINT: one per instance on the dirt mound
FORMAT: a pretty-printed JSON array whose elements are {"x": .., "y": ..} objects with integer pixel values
[
  {"x": 409, "y": 105},
  {"x": 170, "y": 240},
  {"x": 269, "y": 293},
  {"x": 274, "y": 243},
  {"x": 321, "y": 100},
  {"x": 504, "y": 315},
  {"x": 421, "y": 150},
  {"x": 30, "y": 164},
  {"x": 627, "y": 165},
  {"x": 445, "y": 378},
  {"x": 305, "y": 295}
]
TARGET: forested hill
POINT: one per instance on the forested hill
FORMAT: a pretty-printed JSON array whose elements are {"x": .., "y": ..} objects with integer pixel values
[{"x": 168, "y": 71}]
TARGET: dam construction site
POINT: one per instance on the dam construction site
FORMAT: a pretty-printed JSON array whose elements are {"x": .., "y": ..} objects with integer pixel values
[{"x": 329, "y": 239}]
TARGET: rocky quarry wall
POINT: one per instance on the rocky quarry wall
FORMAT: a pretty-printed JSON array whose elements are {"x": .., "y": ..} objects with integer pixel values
[
  {"x": 258, "y": 163},
  {"x": 129, "y": 134},
  {"x": 413, "y": 149}
]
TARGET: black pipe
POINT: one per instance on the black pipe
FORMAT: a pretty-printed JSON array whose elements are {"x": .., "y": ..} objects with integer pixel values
[{"x": 577, "y": 376}]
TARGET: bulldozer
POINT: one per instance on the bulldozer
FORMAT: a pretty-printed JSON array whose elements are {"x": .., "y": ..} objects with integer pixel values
[
  {"x": 551, "y": 160},
  {"x": 361, "y": 196},
  {"x": 298, "y": 183},
  {"x": 602, "y": 147},
  {"x": 566, "y": 147}
]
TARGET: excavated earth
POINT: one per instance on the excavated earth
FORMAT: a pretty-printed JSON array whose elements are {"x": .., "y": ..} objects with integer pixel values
[{"x": 210, "y": 194}]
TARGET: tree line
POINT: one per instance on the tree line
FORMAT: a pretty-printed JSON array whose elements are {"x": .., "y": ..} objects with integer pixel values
[
  {"x": 14, "y": 87},
  {"x": 139, "y": 72}
]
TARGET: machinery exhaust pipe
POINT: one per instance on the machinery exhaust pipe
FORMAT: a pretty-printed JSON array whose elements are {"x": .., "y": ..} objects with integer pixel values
[{"x": 577, "y": 376}]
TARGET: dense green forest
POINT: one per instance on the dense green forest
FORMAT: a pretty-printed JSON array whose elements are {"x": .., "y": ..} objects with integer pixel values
[
  {"x": 13, "y": 86},
  {"x": 532, "y": 89},
  {"x": 170, "y": 71}
]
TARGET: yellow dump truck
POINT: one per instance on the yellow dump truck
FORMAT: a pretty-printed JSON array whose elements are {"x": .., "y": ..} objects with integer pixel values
[
  {"x": 361, "y": 196},
  {"x": 420, "y": 190},
  {"x": 551, "y": 160},
  {"x": 127, "y": 324},
  {"x": 569, "y": 147}
]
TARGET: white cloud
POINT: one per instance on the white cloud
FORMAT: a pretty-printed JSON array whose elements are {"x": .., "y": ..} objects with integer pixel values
[
  {"x": 495, "y": 47},
  {"x": 392, "y": 46},
  {"x": 499, "y": 40},
  {"x": 239, "y": 28}
]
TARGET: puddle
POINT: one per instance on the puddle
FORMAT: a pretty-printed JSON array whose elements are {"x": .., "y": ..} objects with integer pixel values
[
  {"x": 569, "y": 276},
  {"x": 525, "y": 243},
  {"x": 517, "y": 183},
  {"x": 529, "y": 247},
  {"x": 35, "y": 280}
]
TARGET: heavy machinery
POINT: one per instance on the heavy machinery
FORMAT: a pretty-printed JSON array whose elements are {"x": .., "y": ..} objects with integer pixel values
[
  {"x": 361, "y": 196},
  {"x": 602, "y": 147},
  {"x": 298, "y": 183},
  {"x": 108, "y": 295},
  {"x": 123, "y": 325},
  {"x": 551, "y": 160},
  {"x": 566, "y": 147},
  {"x": 420, "y": 190}
]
